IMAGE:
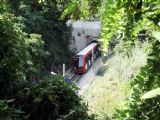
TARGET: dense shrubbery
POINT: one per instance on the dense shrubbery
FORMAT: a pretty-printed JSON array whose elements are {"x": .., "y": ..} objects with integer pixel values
[
  {"x": 146, "y": 80},
  {"x": 35, "y": 53},
  {"x": 31, "y": 32},
  {"x": 50, "y": 99},
  {"x": 21, "y": 55},
  {"x": 33, "y": 39},
  {"x": 7, "y": 112},
  {"x": 43, "y": 19},
  {"x": 12, "y": 54}
]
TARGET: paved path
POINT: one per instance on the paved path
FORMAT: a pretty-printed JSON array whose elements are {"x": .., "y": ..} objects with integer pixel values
[{"x": 88, "y": 77}]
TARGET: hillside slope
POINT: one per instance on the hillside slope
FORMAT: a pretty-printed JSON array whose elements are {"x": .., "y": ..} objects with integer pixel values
[{"x": 111, "y": 85}]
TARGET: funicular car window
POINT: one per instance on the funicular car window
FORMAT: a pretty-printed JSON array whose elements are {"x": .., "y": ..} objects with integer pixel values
[
  {"x": 81, "y": 61},
  {"x": 76, "y": 61}
]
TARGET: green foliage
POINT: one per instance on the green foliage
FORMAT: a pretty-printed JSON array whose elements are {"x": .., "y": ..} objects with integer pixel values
[
  {"x": 156, "y": 35},
  {"x": 34, "y": 56},
  {"x": 12, "y": 53},
  {"x": 51, "y": 99},
  {"x": 146, "y": 80},
  {"x": 43, "y": 18},
  {"x": 8, "y": 113},
  {"x": 76, "y": 9},
  {"x": 33, "y": 39},
  {"x": 21, "y": 56}
]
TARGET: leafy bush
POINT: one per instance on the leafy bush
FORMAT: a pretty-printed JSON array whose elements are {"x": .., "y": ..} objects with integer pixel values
[
  {"x": 35, "y": 53},
  {"x": 8, "y": 113},
  {"x": 25, "y": 54},
  {"x": 43, "y": 19},
  {"x": 29, "y": 30},
  {"x": 12, "y": 54},
  {"x": 51, "y": 99},
  {"x": 21, "y": 56},
  {"x": 146, "y": 80}
]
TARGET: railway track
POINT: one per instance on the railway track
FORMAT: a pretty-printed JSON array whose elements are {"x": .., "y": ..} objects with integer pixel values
[
  {"x": 71, "y": 75},
  {"x": 82, "y": 81},
  {"x": 74, "y": 77}
]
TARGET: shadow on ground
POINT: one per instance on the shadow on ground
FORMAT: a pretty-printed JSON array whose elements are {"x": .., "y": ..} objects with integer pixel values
[{"x": 103, "y": 69}]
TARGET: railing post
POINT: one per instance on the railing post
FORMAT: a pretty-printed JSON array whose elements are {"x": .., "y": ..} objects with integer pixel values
[{"x": 63, "y": 69}]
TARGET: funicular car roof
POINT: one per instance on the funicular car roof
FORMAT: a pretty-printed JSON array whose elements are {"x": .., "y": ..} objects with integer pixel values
[{"x": 87, "y": 49}]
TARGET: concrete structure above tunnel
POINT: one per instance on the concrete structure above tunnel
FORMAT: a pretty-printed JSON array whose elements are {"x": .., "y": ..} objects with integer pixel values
[{"x": 83, "y": 33}]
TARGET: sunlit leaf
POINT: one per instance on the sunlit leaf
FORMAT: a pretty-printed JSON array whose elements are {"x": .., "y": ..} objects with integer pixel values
[
  {"x": 50, "y": 97},
  {"x": 151, "y": 94},
  {"x": 156, "y": 35},
  {"x": 11, "y": 100}
]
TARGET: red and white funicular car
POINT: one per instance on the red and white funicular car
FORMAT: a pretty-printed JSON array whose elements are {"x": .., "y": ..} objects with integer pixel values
[{"x": 84, "y": 59}]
